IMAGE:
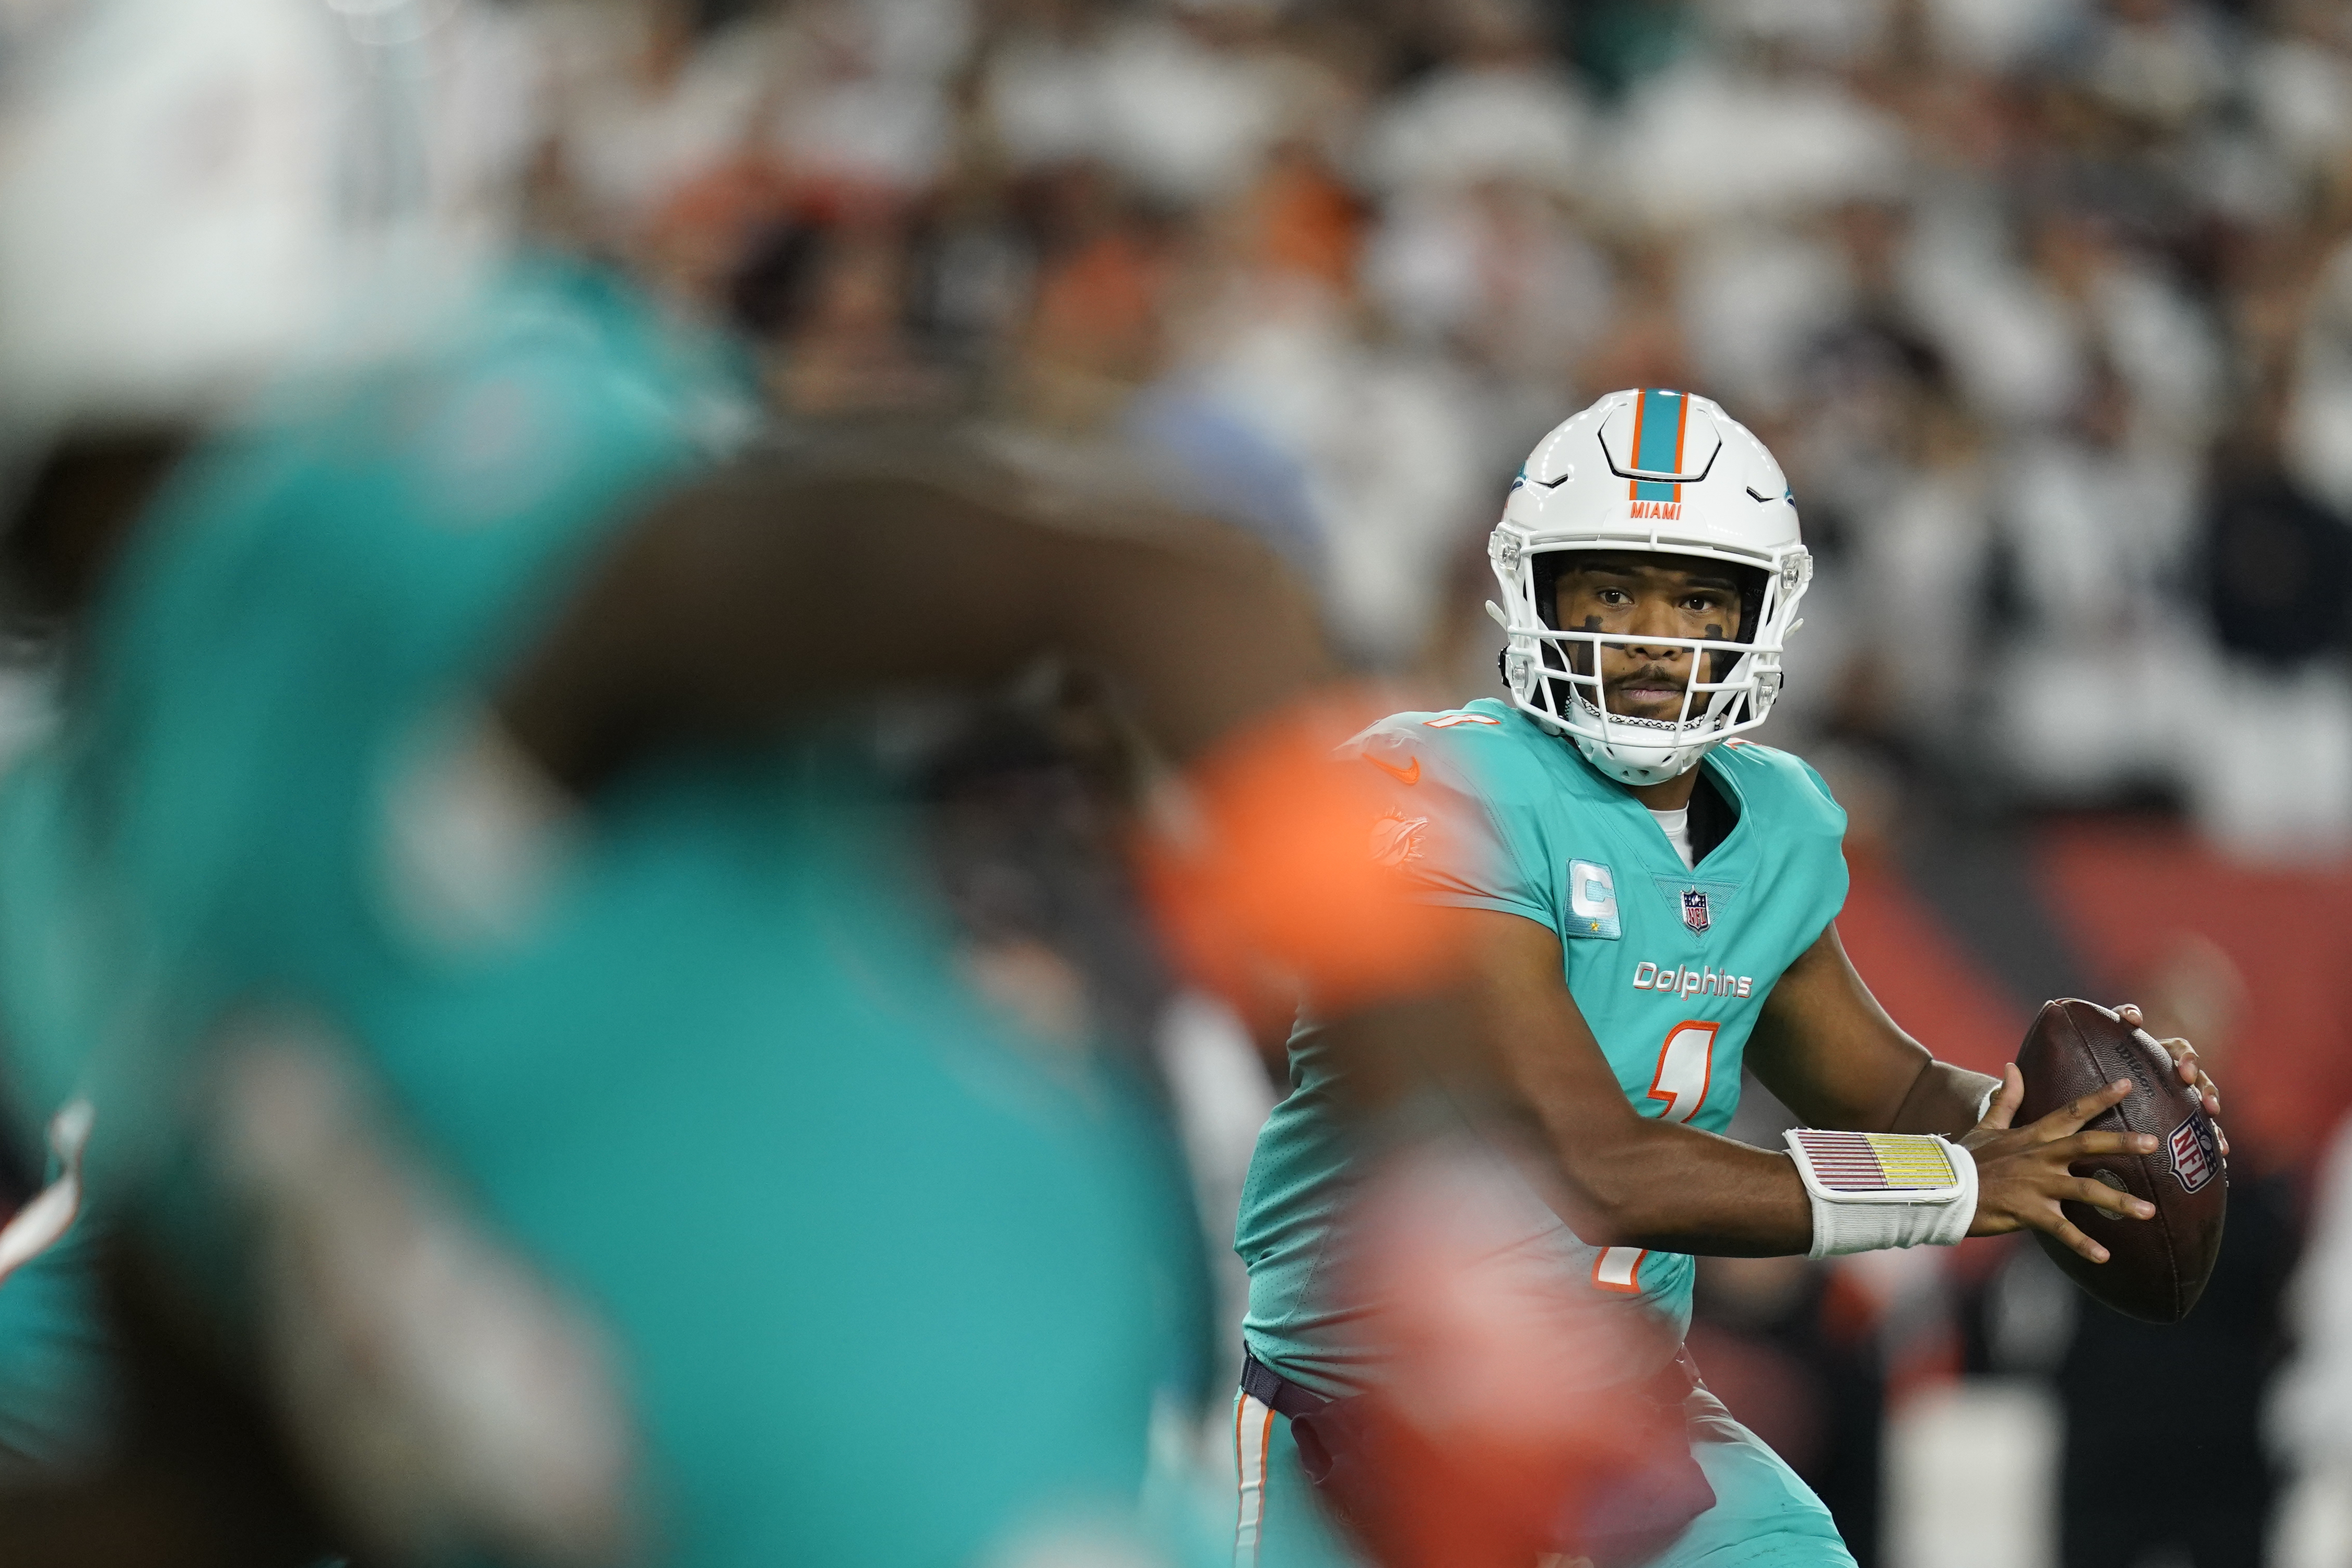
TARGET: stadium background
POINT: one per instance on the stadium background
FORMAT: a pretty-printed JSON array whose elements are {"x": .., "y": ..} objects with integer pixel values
[{"x": 2046, "y": 305}]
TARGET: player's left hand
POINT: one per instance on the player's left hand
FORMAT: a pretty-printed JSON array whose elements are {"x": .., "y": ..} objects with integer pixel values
[{"x": 2192, "y": 1071}]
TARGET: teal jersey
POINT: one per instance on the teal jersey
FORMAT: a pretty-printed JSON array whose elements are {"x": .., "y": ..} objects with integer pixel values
[
  {"x": 873, "y": 1275},
  {"x": 59, "y": 1388},
  {"x": 1668, "y": 965}
]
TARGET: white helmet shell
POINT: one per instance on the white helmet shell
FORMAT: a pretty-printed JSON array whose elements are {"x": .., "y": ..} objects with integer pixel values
[
  {"x": 193, "y": 193},
  {"x": 1660, "y": 472},
  {"x": 167, "y": 183}
]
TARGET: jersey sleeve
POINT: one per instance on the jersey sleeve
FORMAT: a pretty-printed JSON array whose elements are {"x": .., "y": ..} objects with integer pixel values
[
  {"x": 1834, "y": 812},
  {"x": 1440, "y": 831},
  {"x": 1808, "y": 867}
]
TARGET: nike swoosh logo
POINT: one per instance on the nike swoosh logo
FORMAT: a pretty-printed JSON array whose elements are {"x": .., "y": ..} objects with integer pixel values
[{"x": 1410, "y": 775}]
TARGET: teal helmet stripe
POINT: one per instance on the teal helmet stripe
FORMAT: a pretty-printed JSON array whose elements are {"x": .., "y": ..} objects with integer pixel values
[{"x": 1658, "y": 425}]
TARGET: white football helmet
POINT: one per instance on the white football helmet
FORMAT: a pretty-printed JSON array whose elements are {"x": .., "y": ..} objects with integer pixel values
[
  {"x": 1657, "y": 472},
  {"x": 191, "y": 193}
]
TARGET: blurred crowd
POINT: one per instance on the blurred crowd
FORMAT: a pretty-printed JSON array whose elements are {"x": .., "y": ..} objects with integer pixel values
[{"x": 2046, "y": 305}]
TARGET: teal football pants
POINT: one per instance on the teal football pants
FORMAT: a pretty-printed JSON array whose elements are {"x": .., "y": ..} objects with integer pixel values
[{"x": 1763, "y": 1515}]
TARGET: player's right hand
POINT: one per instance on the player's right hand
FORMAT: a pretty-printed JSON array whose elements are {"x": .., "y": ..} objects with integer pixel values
[{"x": 2021, "y": 1171}]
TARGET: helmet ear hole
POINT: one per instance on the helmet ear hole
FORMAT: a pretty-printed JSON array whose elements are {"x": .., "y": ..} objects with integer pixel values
[
  {"x": 1543, "y": 576},
  {"x": 1752, "y": 580}
]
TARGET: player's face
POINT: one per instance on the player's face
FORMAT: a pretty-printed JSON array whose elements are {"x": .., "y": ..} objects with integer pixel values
[{"x": 1636, "y": 596}]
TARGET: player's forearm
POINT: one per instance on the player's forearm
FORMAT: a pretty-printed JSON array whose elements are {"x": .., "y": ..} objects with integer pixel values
[
  {"x": 1831, "y": 1054},
  {"x": 1944, "y": 1098},
  {"x": 1677, "y": 1189},
  {"x": 1625, "y": 1180},
  {"x": 1044, "y": 549},
  {"x": 763, "y": 593},
  {"x": 1197, "y": 642}
]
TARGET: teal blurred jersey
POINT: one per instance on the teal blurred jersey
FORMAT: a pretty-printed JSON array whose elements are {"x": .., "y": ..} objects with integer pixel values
[
  {"x": 709, "y": 1129},
  {"x": 60, "y": 1394},
  {"x": 1668, "y": 965},
  {"x": 57, "y": 1380}
]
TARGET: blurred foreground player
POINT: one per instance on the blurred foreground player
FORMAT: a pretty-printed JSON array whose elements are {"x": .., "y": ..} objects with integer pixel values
[
  {"x": 1647, "y": 901},
  {"x": 524, "y": 1046}
]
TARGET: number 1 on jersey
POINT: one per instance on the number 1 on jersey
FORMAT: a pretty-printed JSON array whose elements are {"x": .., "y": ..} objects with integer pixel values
[
  {"x": 1685, "y": 1069},
  {"x": 1619, "y": 1268}
]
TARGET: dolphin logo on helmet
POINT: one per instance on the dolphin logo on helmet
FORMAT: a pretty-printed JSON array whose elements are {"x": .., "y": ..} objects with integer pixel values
[{"x": 1648, "y": 471}]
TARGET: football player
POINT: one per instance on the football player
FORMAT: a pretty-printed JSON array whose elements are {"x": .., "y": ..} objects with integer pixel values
[
  {"x": 515, "y": 1010},
  {"x": 1649, "y": 899}
]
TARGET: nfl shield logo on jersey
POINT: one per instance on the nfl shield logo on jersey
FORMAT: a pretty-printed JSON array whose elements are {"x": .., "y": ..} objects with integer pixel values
[{"x": 1694, "y": 909}]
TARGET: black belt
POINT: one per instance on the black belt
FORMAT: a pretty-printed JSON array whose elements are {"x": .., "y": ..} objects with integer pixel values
[{"x": 1276, "y": 1391}]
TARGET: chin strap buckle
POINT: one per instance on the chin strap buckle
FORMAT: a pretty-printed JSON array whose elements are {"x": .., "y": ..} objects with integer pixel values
[
  {"x": 1503, "y": 548},
  {"x": 1517, "y": 673}
]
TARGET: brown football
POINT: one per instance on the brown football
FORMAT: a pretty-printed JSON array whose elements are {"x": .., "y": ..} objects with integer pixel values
[{"x": 2155, "y": 1268}]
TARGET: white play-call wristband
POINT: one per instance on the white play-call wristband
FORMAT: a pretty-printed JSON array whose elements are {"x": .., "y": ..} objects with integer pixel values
[{"x": 1872, "y": 1190}]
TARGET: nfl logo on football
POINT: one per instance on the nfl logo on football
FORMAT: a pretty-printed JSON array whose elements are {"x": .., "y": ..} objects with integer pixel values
[
  {"x": 1694, "y": 909},
  {"x": 2193, "y": 1153}
]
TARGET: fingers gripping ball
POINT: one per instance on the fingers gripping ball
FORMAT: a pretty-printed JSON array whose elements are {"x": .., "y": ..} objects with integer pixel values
[
  {"x": 2157, "y": 1268},
  {"x": 1263, "y": 871}
]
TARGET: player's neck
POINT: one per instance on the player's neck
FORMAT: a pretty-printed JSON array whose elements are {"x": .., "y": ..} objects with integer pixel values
[{"x": 1673, "y": 795}]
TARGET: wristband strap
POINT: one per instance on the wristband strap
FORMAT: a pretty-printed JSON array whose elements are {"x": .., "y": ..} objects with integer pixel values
[{"x": 1873, "y": 1190}]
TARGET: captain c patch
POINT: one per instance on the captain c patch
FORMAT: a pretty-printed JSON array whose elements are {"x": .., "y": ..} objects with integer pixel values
[{"x": 1592, "y": 902}]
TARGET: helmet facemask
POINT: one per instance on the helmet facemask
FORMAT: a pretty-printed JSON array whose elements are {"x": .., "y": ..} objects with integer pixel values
[{"x": 1729, "y": 684}]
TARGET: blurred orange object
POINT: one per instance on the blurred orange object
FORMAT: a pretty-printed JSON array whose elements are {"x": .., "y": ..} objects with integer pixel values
[
  {"x": 1504, "y": 1427},
  {"x": 1261, "y": 872}
]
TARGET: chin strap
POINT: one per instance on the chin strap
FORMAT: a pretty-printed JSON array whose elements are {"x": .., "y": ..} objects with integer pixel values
[
  {"x": 1875, "y": 1190},
  {"x": 1598, "y": 752}
]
